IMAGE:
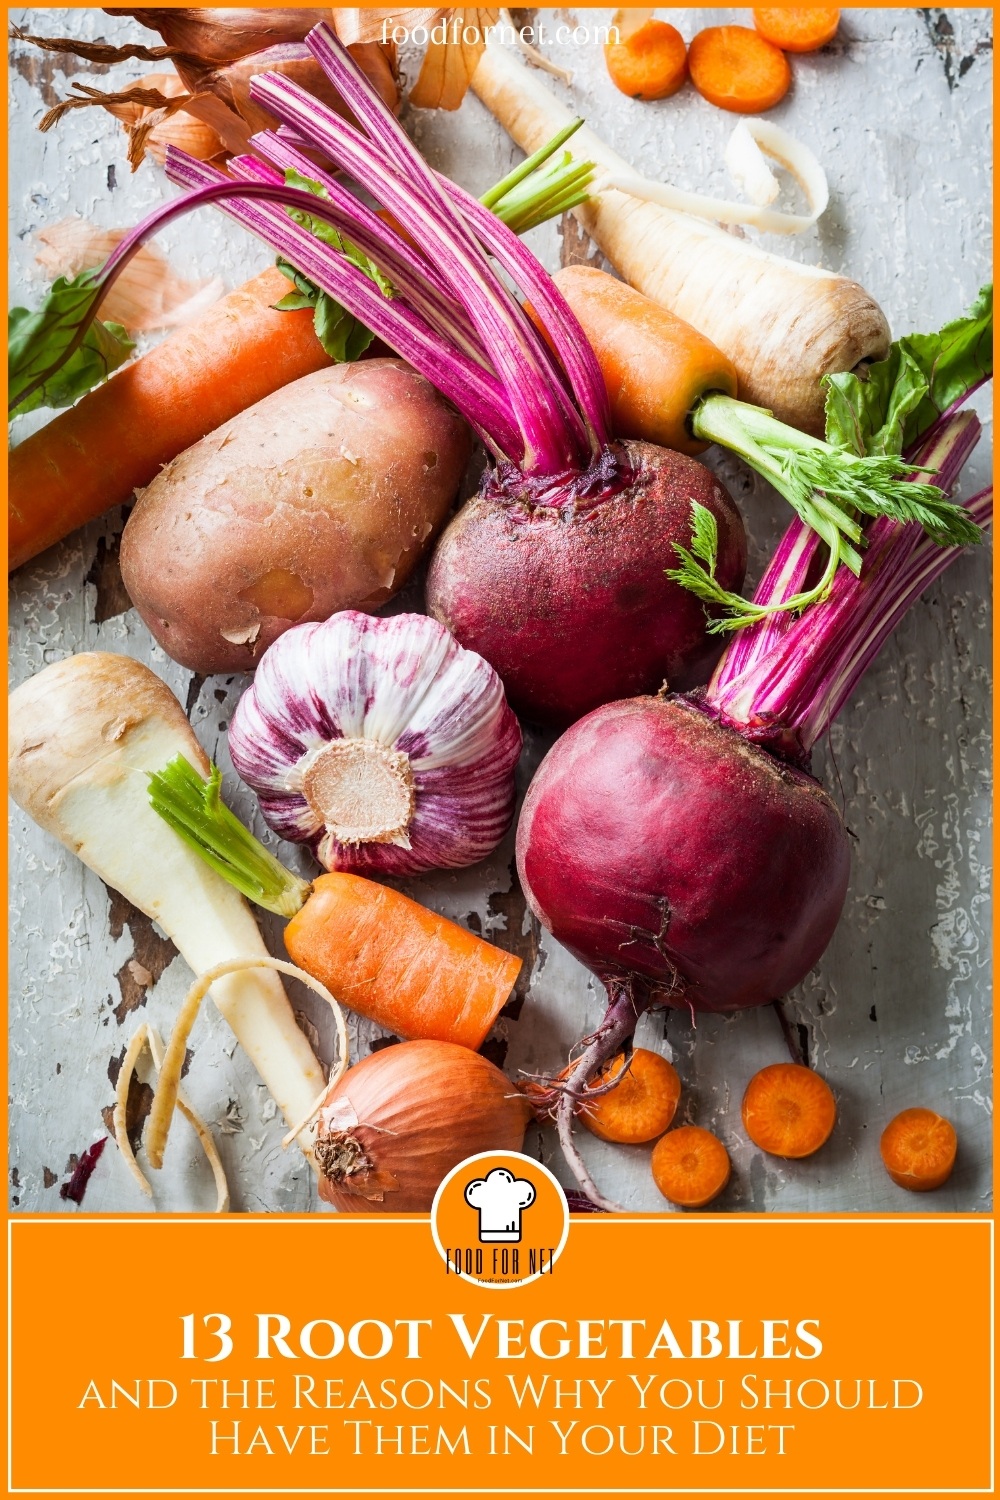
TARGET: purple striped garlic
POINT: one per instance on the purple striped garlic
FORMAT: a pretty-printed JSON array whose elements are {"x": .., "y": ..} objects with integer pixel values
[{"x": 381, "y": 743}]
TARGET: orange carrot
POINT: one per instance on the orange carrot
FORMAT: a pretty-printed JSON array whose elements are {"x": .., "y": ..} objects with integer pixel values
[
  {"x": 649, "y": 64},
  {"x": 737, "y": 69},
  {"x": 402, "y": 966},
  {"x": 642, "y": 1104},
  {"x": 918, "y": 1150},
  {"x": 803, "y": 30},
  {"x": 656, "y": 367},
  {"x": 118, "y": 437},
  {"x": 788, "y": 1110},
  {"x": 690, "y": 1166}
]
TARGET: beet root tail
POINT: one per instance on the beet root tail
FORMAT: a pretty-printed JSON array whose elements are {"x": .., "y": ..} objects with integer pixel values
[{"x": 627, "y": 1004}]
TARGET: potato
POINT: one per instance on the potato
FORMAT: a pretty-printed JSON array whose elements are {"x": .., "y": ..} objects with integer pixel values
[{"x": 321, "y": 497}]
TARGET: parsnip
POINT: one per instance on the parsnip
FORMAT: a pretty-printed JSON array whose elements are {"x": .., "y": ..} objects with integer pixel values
[
  {"x": 783, "y": 325},
  {"x": 83, "y": 733}
]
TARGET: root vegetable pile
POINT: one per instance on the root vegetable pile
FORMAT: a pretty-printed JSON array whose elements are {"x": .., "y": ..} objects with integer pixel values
[
  {"x": 784, "y": 325},
  {"x": 679, "y": 847},
  {"x": 674, "y": 838},
  {"x": 573, "y": 497}
]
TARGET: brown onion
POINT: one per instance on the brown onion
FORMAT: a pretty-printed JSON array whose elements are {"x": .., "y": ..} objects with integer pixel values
[
  {"x": 147, "y": 294},
  {"x": 205, "y": 107},
  {"x": 181, "y": 128},
  {"x": 392, "y": 1129},
  {"x": 220, "y": 36},
  {"x": 231, "y": 83}
]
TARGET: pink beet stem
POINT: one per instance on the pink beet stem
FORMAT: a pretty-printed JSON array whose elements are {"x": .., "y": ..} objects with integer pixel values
[{"x": 791, "y": 693}]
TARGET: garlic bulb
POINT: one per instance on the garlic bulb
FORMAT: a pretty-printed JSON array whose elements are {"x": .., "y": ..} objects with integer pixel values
[{"x": 380, "y": 743}]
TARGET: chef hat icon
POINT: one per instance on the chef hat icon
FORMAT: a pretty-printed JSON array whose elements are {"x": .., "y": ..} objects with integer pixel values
[{"x": 500, "y": 1198}]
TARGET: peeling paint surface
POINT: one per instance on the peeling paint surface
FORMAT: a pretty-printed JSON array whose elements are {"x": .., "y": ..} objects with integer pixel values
[{"x": 896, "y": 1014}]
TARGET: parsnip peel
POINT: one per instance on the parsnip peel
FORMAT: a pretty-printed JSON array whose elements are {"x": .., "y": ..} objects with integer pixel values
[
  {"x": 169, "y": 1083},
  {"x": 147, "y": 1035},
  {"x": 750, "y": 141}
]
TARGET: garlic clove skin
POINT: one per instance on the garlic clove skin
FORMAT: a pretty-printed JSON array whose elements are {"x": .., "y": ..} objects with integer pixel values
[{"x": 381, "y": 743}]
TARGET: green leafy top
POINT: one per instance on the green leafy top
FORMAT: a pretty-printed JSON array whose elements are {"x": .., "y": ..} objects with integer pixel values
[
  {"x": 901, "y": 397},
  {"x": 859, "y": 471},
  {"x": 37, "y": 344},
  {"x": 342, "y": 335}
]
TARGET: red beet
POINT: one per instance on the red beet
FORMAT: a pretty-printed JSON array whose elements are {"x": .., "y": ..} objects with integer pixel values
[
  {"x": 680, "y": 862},
  {"x": 669, "y": 853},
  {"x": 569, "y": 601}
]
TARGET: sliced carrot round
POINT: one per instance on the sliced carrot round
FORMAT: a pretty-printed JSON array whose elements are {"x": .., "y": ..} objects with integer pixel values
[
  {"x": 788, "y": 1110},
  {"x": 641, "y": 1106},
  {"x": 738, "y": 69},
  {"x": 650, "y": 64},
  {"x": 918, "y": 1149},
  {"x": 690, "y": 1166},
  {"x": 804, "y": 30}
]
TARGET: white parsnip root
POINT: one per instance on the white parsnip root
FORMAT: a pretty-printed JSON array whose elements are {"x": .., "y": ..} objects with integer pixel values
[
  {"x": 83, "y": 735},
  {"x": 783, "y": 325}
]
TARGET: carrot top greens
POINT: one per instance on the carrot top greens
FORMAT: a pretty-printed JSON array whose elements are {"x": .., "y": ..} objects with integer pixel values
[
  {"x": 61, "y": 351},
  {"x": 864, "y": 470}
]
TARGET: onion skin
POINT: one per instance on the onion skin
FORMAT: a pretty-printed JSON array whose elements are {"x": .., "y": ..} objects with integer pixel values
[
  {"x": 422, "y": 1108},
  {"x": 671, "y": 855},
  {"x": 223, "y": 35},
  {"x": 570, "y": 604}
]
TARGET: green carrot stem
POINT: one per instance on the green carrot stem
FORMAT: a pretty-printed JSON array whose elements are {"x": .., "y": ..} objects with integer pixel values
[
  {"x": 827, "y": 487},
  {"x": 546, "y": 194},
  {"x": 529, "y": 165},
  {"x": 195, "y": 811},
  {"x": 558, "y": 190},
  {"x": 877, "y": 484}
]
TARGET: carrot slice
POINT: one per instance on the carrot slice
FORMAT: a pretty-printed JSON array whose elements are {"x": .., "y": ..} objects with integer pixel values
[
  {"x": 651, "y": 64},
  {"x": 642, "y": 1104},
  {"x": 737, "y": 69},
  {"x": 690, "y": 1166},
  {"x": 918, "y": 1149},
  {"x": 788, "y": 1110},
  {"x": 803, "y": 30}
]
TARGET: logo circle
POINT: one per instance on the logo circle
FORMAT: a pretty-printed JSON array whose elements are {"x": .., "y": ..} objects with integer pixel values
[{"x": 500, "y": 1219}]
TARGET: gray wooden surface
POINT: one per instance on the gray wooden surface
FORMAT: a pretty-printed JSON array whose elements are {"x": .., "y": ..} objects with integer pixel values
[{"x": 898, "y": 110}]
